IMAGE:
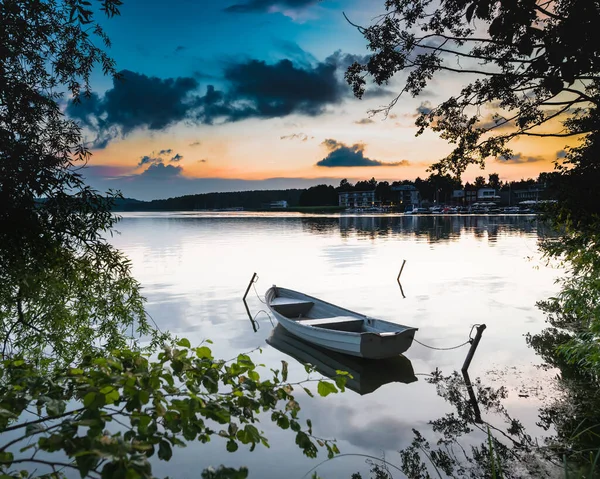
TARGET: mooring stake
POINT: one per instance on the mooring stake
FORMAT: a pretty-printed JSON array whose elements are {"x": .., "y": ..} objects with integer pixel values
[
  {"x": 474, "y": 345},
  {"x": 472, "y": 398},
  {"x": 252, "y": 321},
  {"x": 398, "y": 279},
  {"x": 401, "y": 268},
  {"x": 249, "y": 285}
]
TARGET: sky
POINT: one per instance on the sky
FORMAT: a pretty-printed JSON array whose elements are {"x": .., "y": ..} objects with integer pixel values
[{"x": 229, "y": 95}]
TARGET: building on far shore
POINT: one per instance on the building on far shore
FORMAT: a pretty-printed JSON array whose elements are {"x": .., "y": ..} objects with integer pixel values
[
  {"x": 487, "y": 194},
  {"x": 357, "y": 199},
  {"x": 279, "y": 204},
  {"x": 406, "y": 195}
]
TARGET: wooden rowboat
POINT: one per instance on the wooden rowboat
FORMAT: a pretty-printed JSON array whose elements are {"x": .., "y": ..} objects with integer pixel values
[
  {"x": 335, "y": 328},
  {"x": 366, "y": 375}
]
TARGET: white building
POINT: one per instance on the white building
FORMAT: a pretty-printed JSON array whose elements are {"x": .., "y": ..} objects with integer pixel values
[
  {"x": 279, "y": 204},
  {"x": 487, "y": 194},
  {"x": 357, "y": 199}
]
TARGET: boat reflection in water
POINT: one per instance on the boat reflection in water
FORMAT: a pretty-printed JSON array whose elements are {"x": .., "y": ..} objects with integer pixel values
[{"x": 367, "y": 374}]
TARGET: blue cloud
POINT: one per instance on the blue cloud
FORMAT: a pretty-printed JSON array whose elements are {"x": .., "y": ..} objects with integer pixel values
[
  {"x": 162, "y": 171},
  {"x": 341, "y": 155},
  {"x": 256, "y": 89}
]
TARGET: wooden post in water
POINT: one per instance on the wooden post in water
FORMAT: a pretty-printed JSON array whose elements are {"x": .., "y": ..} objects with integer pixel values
[
  {"x": 246, "y": 304},
  {"x": 472, "y": 398},
  {"x": 474, "y": 345},
  {"x": 401, "y": 268},
  {"x": 398, "y": 278},
  {"x": 249, "y": 285},
  {"x": 252, "y": 321}
]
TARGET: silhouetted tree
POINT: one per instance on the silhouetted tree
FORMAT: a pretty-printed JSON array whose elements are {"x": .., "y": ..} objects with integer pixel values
[
  {"x": 479, "y": 182},
  {"x": 62, "y": 285},
  {"x": 494, "y": 181},
  {"x": 345, "y": 185},
  {"x": 383, "y": 191},
  {"x": 365, "y": 185},
  {"x": 527, "y": 63},
  {"x": 320, "y": 195}
]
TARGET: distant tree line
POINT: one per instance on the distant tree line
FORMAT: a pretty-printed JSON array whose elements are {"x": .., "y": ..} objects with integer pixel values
[
  {"x": 257, "y": 199},
  {"x": 435, "y": 188}
]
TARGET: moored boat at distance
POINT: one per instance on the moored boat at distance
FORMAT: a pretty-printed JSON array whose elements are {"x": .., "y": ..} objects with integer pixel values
[
  {"x": 366, "y": 375},
  {"x": 336, "y": 328}
]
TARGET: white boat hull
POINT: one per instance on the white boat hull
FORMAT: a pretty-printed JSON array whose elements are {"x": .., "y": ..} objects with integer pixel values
[{"x": 335, "y": 328}]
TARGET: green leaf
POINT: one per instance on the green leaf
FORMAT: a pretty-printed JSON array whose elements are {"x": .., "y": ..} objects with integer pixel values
[
  {"x": 55, "y": 407},
  {"x": 85, "y": 463},
  {"x": 88, "y": 399},
  {"x": 184, "y": 343},
  {"x": 283, "y": 422},
  {"x": 309, "y": 392},
  {"x": 6, "y": 459},
  {"x": 204, "y": 352},
  {"x": 164, "y": 450},
  {"x": 111, "y": 394},
  {"x": 144, "y": 422},
  {"x": 325, "y": 388},
  {"x": 232, "y": 446},
  {"x": 144, "y": 396}
]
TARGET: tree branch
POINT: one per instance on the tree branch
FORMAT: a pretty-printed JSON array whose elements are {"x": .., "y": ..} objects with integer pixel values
[{"x": 44, "y": 419}]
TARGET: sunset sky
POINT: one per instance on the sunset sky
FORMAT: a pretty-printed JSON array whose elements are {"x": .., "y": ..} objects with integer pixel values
[{"x": 222, "y": 95}]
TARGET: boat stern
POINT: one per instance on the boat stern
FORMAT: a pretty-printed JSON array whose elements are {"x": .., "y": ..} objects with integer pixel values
[{"x": 386, "y": 345}]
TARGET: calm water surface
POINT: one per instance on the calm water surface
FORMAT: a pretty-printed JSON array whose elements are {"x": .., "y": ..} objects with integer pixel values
[{"x": 460, "y": 270}]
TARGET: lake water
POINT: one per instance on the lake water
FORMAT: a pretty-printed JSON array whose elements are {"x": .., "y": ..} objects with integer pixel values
[{"x": 460, "y": 270}]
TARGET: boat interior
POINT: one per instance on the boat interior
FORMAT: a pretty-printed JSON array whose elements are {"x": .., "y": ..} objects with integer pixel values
[{"x": 298, "y": 307}]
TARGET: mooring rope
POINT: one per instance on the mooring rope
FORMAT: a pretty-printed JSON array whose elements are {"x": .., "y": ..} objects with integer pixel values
[
  {"x": 468, "y": 341},
  {"x": 442, "y": 349}
]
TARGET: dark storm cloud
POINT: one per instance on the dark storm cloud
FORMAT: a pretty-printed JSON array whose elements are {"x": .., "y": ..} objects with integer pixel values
[
  {"x": 162, "y": 171},
  {"x": 341, "y": 155},
  {"x": 136, "y": 101},
  {"x": 148, "y": 160},
  {"x": 253, "y": 89},
  {"x": 156, "y": 159},
  {"x": 260, "y": 6},
  {"x": 282, "y": 88}
]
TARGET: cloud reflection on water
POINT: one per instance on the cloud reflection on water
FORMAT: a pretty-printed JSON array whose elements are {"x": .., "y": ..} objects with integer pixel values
[{"x": 194, "y": 268}]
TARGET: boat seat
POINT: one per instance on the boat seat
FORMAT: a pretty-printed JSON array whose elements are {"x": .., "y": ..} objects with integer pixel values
[
  {"x": 290, "y": 307},
  {"x": 337, "y": 320}
]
